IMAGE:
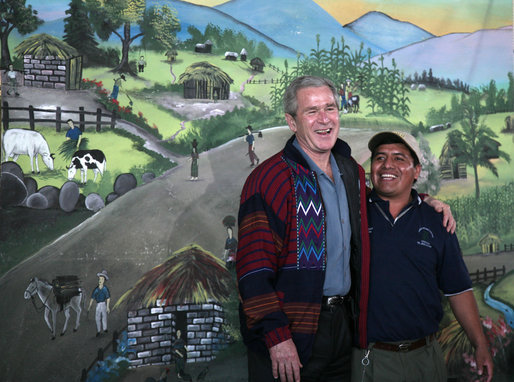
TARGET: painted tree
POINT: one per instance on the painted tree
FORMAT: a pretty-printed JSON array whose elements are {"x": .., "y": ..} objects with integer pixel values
[
  {"x": 474, "y": 144},
  {"x": 78, "y": 31},
  {"x": 14, "y": 14},
  {"x": 107, "y": 17},
  {"x": 160, "y": 27}
]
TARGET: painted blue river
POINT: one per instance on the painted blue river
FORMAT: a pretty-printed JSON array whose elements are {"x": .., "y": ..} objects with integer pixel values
[{"x": 500, "y": 306}]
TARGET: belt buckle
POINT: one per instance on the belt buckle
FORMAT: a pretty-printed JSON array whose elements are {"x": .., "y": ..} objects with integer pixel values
[
  {"x": 334, "y": 300},
  {"x": 404, "y": 347}
]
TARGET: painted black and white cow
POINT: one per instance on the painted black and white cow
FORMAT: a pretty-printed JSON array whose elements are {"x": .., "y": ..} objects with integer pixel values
[{"x": 87, "y": 159}]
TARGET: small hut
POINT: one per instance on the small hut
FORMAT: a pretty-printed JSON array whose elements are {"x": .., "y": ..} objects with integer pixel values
[
  {"x": 257, "y": 64},
  {"x": 184, "y": 293},
  {"x": 202, "y": 80},
  {"x": 50, "y": 63},
  {"x": 243, "y": 55},
  {"x": 489, "y": 244},
  {"x": 450, "y": 167},
  {"x": 171, "y": 55},
  {"x": 206, "y": 47}
]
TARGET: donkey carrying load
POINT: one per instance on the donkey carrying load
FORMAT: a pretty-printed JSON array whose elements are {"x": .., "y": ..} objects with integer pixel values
[{"x": 64, "y": 293}]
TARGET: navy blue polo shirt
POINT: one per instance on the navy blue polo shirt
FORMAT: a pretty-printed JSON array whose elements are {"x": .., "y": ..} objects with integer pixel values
[{"x": 413, "y": 259}]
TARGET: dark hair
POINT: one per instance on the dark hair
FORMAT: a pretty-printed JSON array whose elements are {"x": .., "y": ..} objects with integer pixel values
[
  {"x": 388, "y": 140},
  {"x": 69, "y": 120},
  {"x": 290, "y": 101}
]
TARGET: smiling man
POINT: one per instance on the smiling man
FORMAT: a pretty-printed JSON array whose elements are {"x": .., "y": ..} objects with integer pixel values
[
  {"x": 300, "y": 246},
  {"x": 413, "y": 259}
]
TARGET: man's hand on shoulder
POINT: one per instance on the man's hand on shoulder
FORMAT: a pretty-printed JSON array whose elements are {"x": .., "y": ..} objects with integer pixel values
[
  {"x": 285, "y": 362},
  {"x": 441, "y": 207}
]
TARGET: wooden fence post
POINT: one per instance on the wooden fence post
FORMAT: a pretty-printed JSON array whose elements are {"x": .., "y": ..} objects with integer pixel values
[
  {"x": 98, "y": 119},
  {"x": 31, "y": 117},
  {"x": 58, "y": 115},
  {"x": 113, "y": 119},
  {"x": 83, "y": 375},
  {"x": 82, "y": 125},
  {"x": 100, "y": 356},
  {"x": 5, "y": 115}
]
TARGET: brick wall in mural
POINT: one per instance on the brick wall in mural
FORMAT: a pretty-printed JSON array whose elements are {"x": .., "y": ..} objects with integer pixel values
[{"x": 125, "y": 128}]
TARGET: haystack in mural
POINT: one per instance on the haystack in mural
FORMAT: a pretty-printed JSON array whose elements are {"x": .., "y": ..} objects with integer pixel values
[
  {"x": 49, "y": 62},
  {"x": 202, "y": 80},
  {"x": 184, "y": 293}
]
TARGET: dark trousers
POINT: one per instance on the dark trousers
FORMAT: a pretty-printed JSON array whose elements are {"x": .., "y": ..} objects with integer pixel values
[{"x": 331, "y": 353}]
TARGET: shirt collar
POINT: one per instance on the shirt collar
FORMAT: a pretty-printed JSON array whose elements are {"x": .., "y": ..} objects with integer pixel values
[
  {"x": 416, "y": 199},
  {"x": 313, "y": 166}
]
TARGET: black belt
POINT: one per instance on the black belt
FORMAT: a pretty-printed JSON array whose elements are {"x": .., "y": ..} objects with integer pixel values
[
  {"x": 330, "y": 301},
  {"x": 405, "y": 346}
]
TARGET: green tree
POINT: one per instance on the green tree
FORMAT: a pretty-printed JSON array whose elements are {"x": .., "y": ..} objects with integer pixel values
[
  {"x": 78, "y": 31},
  {"x": 160, "y": 26},
  {"x": 108, "y": 16},
  {"x": 474, "y": 144},
  {"x": 14, "y": 14}
]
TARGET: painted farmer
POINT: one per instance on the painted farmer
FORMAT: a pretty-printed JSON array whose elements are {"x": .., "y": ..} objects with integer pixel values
[
  {"x": 103, "y": 298},
  {"x": 250, "y": 139},
  {"x": 12, "y": 81},
  {"x": 413, "y": 260},
  {"x": 74, "y": 133},
  {"x": 117, "y": 85}
]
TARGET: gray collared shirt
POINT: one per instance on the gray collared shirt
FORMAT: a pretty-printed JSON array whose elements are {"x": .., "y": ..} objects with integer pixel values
[{"x": 338, "y": 230}]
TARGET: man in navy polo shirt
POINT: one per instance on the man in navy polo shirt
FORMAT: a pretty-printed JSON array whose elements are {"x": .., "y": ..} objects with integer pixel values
[{"x": 413, "y": 258}]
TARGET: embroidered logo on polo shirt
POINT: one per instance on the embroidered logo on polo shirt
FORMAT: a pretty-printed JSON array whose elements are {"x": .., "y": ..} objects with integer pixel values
[{"x": 425, "y": 235}]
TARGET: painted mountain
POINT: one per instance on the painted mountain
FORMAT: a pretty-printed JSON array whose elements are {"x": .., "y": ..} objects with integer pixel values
[
  {"x": 287, "y": 27},
  {"x": 474, "y": 58},
  {"x": 386, "y": 32},
  {"x": 296, "y": 23}
]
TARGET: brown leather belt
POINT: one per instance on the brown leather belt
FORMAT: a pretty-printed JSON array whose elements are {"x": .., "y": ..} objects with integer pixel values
[
  {"x": 404, "y": 346},
  {"x": 328, "y": 301}
]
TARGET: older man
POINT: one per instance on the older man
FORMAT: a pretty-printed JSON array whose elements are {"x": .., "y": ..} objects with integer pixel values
[
  {"x": 303, "y": 253},
  {"x": 413, "y": 258}
]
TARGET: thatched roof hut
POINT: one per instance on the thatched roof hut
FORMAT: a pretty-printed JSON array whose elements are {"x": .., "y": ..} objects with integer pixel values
[
  {"x": 49, "y": 62},
  {"x": 190, "y": 275},
  {"x": 207, "y": 81},
  {"x": 183, "y": 293},
  {"x": 43, "y": 45}
]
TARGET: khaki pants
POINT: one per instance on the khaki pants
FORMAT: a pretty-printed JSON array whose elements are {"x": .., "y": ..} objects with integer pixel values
[{"x": 425, "y": 364}]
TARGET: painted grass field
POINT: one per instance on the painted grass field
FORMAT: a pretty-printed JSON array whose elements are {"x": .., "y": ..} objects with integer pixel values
[{"x": 120, "y": 154}]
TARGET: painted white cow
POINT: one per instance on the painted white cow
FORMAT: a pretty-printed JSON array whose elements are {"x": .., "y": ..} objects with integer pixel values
[
  {"x": 87, "y": 159},
  {"x": 27, "y": 142}
]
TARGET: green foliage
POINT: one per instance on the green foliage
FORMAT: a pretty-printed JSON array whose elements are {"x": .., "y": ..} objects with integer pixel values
[
  {"x": 160, "y": 25},
  {"x": 226, "y": 40},
  {"x": 123, "y": 112},
  {"x": 382, "y": 86},
  {"x": 14, "y": 14},
  {"x": 217, "y": 130},
  {"x": 476, "y": 217},
  {"x": 78, "y": 31},
  {"x": 474, "y": 144}
]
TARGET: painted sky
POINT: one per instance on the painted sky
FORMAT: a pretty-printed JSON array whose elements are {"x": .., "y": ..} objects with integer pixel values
[{"x": 436, "y": 16}]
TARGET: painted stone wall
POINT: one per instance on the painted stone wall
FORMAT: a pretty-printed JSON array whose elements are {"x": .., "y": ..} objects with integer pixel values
[
  {"x": 151, "y": 332},
  {"x": 44, "y": 72}
]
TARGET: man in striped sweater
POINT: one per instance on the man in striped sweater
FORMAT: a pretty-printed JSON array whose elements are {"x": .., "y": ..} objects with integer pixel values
[{"x": 303, "y": 255}]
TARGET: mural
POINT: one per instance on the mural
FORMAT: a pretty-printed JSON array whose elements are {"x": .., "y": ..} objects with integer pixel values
[{"x": 164, "y": 107}]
